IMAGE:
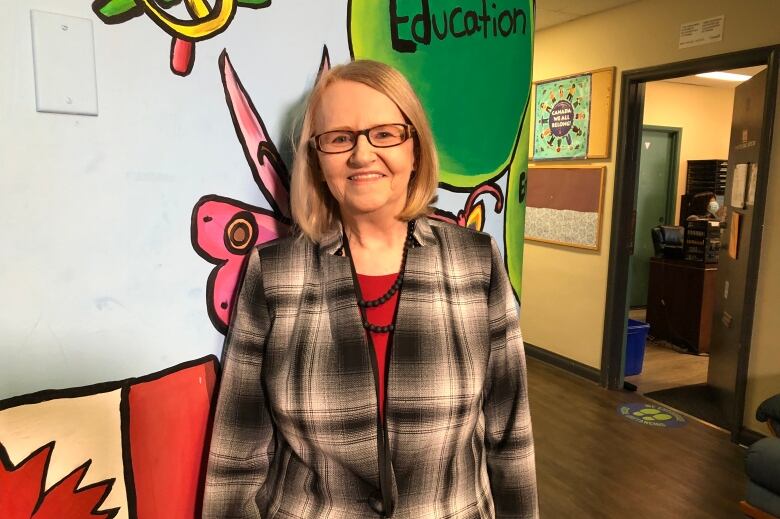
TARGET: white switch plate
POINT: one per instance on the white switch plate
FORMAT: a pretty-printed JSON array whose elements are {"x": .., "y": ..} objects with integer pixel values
[{"x": 64, "y": 62}]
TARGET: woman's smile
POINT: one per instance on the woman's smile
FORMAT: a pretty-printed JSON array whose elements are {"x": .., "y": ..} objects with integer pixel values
[{"x": 366, "y": 177}]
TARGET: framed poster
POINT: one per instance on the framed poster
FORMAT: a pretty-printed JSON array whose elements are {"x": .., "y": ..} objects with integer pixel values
[
  {"x": 562, "y": 118},
  {"x": 573, "y": 116},
  {"x": 564, "y": 205}
]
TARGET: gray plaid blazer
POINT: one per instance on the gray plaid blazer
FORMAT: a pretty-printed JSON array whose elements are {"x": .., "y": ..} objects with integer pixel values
[{"x": 296, "y": 431}]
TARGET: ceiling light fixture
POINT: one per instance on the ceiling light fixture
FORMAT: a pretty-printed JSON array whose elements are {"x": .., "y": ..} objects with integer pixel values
[{"x": 725, "y": 76}]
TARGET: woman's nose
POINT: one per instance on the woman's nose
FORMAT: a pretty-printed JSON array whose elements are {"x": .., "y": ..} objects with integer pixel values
[{"x": 363, "y": 152}]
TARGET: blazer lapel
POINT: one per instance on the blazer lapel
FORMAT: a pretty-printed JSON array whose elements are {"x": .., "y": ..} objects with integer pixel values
[
  {"x": 416, "y": 320},
  {"x": 351, "y": 352},
  {"x": 349, "y": 338}
]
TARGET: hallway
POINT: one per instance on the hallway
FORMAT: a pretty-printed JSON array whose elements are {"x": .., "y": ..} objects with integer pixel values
[{"x": 594, "y": 463}]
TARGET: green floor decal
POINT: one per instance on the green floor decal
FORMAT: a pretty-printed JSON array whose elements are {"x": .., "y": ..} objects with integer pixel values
[{"x": 652, "y": 414}]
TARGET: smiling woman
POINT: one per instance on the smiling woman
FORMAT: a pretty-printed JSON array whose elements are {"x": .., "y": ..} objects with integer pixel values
[
  {"x": 362, "y": 178},
  {"x": 354, "y": 345},
  {"x": 362, "y": 96}
]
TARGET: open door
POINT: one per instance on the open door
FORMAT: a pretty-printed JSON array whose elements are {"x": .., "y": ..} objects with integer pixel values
[
  {"x": 655, "y": 204},
  {"x": 732, "y": 320}
]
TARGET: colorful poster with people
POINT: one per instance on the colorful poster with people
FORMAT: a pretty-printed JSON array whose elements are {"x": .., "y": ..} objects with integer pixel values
[{"x": 562, "y": 118}]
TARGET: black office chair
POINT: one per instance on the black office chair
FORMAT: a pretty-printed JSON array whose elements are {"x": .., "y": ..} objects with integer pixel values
[{"x": 668, "y": 241}]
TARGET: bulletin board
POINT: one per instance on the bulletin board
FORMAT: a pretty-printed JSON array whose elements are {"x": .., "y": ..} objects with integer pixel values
[{"x": 564, "y": 205}]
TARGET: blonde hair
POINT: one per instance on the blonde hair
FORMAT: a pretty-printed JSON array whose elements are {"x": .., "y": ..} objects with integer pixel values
[{"x": 314, "y": 210}]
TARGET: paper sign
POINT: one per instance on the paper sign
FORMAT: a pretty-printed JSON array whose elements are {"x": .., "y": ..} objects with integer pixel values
[
  {"x": 736, "y": 220},
  {"x": 738, "y": 181},
  {"x": 701, "y": 32},
  {"x": 751, "y": 194}
]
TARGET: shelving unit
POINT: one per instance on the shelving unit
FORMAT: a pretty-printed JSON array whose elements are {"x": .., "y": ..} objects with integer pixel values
[
  {"x": 703, "y": 176},
  {"x": 706, "y": 175}
]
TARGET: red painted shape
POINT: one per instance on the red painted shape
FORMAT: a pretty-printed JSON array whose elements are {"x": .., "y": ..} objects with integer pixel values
[
  {"x": 22, "y": 495},
  {"x": 182, "y": 56},
  {"x": 63, "y": 501},
  {"x": 169, "y": 428},
  {"x": 21, "y": 486}
]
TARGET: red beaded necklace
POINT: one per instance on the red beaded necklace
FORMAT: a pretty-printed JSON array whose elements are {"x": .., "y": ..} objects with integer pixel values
[{"x": 364, "y": 304}]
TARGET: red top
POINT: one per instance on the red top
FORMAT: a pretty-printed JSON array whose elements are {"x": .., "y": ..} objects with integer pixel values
[{"x": 373, "y": 287}]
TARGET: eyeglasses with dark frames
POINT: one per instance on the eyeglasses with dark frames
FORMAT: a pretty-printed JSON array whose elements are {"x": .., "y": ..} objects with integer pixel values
[{"x": 382, "y": 136}]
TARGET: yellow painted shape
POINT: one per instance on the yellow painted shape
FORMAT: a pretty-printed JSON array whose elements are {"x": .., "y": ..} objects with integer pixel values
[
  {"x": 199, "y": 7},
  {"x": 200, "y": 28},
  {"x": 476, "y": 220}
]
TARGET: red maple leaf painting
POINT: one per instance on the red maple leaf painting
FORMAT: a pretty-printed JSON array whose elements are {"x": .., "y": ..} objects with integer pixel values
[{"x": 23, "y": 493}]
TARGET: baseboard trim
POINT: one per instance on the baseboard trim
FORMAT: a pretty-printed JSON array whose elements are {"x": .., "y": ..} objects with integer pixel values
[
  {"x": 559, "y": 361},
  {"x": 748, "y": 437}
]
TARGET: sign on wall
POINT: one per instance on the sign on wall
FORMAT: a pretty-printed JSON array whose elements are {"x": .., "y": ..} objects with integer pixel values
[{"x": 562, "y": 122}]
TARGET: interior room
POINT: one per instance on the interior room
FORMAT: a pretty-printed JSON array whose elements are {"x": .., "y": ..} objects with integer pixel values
[
  {"x": 625, "y": 304},
  {"x": 567, "y": 316},
  {"x": 684, "y": 120}
]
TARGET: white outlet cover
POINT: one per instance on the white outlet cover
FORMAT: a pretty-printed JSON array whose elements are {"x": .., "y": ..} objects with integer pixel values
[{"x": 64, "y": 63}]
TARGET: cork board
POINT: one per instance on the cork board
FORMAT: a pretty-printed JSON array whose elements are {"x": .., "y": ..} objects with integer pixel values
[{"x": 564, "y": 205}]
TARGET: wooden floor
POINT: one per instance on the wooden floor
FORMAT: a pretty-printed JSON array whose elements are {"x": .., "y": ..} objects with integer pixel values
[
  {"x": 594, "y": 463},
  {"x": 665, "y": 367}
]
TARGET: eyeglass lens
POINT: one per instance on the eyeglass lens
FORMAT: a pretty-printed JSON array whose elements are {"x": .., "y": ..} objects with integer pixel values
[{"x": 383, "y": 136}]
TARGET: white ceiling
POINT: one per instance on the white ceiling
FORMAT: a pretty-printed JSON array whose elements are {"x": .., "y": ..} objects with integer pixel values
[
  {"x": 717, "y": 83},
  {"x": 554, "y": 12}
]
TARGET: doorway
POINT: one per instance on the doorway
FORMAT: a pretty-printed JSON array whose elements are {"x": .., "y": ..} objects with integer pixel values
[
  {"x": 655, "y": 203},
  {"x": 729, "y": 394}
]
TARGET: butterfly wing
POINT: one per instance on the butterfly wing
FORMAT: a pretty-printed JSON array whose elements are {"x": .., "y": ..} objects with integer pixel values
[
  {"x": 224, "y": 231},
  {"x": 268, "y": 169}
]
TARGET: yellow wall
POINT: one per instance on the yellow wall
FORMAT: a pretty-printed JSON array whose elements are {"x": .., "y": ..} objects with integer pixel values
[
  {"x": 564, "y": 290},
  {"x": 704, "y": 114}
]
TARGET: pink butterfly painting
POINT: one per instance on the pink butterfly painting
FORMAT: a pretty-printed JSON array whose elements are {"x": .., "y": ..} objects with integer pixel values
[{"x": 224, "y": 230}]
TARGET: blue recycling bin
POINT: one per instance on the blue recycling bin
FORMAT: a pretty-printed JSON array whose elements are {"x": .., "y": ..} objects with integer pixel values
[{"x": 635, "y": 346}]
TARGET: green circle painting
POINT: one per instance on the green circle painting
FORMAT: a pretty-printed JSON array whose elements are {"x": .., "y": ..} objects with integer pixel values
[{"x": 470, "y": 63}]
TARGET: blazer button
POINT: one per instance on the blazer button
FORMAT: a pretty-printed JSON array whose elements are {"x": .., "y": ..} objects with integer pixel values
[{"x": 376, "y": 503}]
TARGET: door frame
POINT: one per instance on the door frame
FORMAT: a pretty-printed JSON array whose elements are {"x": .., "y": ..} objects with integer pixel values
[
  {"x": 621, "y": 244},
  {"x": 674, "y": 174}
]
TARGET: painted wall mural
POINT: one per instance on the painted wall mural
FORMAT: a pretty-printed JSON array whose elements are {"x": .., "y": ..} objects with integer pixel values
[
  {"x": 225, "y": 230},
  {"x": 204, "y": 22},
  {"x": 470, "y": 63},
  {"x": 134, "y": 448},
  {"x": 128, "y": 449}
]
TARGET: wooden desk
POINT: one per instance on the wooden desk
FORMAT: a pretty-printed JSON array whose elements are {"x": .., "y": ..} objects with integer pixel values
[{"x": 680, "y": 301}]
